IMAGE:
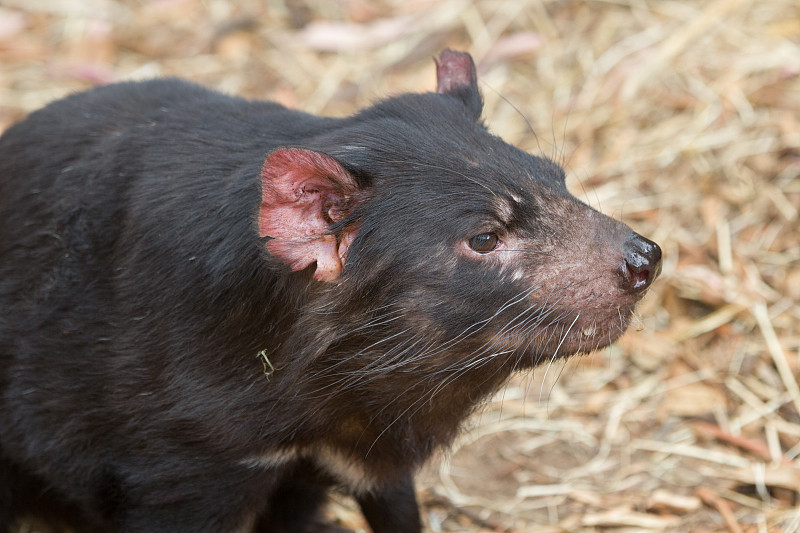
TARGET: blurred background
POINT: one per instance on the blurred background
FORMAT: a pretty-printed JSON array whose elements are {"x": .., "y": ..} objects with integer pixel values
[{"x": 680, "y": 118}]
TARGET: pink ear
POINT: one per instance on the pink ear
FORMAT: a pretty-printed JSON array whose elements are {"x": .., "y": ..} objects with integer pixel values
[
  {"x": 455, "y": 70},
  {"x": 302, "y": 193},
  {"x": 456, "y": 76}
]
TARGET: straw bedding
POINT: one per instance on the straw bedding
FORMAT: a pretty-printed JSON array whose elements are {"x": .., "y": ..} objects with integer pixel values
[{"x": 680, "y": 118}]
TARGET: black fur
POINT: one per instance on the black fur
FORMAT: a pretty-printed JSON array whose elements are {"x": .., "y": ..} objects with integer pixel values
[{"x": 161, "y": 371}]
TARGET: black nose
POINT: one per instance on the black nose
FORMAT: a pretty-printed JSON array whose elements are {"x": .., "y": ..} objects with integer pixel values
[{"x": 642, "y": 263}]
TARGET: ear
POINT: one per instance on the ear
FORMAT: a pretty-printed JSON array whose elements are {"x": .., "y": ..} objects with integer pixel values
[
  {"x": 302, "y": 194},
  {"x": 456, "y": 76}
]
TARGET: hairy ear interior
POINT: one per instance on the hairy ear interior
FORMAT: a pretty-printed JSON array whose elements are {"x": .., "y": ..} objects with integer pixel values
[{"x": 303, "y": 193}]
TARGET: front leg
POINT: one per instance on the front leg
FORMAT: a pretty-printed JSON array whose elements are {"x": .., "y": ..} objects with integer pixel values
[
  {"x": 296, "y": 501},
  {"x": 392, "y": 508}
]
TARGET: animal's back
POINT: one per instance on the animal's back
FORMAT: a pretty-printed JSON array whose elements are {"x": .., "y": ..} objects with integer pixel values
[
  {"x": 91, "y": 188},
  {"x": 71, "y": 177},
  {"x": 84, "y": 181}
]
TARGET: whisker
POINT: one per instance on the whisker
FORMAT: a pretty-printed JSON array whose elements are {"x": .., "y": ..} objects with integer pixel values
[
  {"x": 520, "y": 113},
  {"x": 555, "y": 353}
]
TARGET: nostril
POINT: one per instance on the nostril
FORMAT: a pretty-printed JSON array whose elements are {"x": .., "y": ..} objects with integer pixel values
[
  {"x": 639, "y": 280},
  {"x": 642, "y": 263}
]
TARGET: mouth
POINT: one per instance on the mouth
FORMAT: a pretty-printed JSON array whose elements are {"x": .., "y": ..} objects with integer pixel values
[
  {"x": 572, "y": 334},
  {"x": 590, "y": 334}
]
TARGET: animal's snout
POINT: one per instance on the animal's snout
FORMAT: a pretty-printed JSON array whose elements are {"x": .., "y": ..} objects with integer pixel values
[{"x": 641, "y": 263}]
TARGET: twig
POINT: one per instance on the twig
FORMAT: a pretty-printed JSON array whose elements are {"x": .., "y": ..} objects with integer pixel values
[
  {"x": 711, "y": 499},
  {"x": 436, "y": 498},
  {"x": 751, "y": 445},
  {"x": 776, "y": 351}
]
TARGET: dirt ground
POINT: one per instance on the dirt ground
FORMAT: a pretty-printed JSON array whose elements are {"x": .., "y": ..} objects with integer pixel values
[{"x": 680, "y": 118}]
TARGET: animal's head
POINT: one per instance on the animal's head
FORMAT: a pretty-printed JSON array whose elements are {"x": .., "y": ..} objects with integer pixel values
[{"x": 438, "y": 246}]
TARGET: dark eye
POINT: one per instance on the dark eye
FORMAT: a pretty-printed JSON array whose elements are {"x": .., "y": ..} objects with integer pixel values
[{"x": 484, "y": 243}]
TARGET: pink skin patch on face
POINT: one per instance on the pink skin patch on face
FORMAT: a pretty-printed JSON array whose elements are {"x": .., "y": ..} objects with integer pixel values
[{"x": 302, "y": 193}]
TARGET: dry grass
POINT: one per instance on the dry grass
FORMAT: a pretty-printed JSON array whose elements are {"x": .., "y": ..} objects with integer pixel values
[{"x": 681, "y": 118}]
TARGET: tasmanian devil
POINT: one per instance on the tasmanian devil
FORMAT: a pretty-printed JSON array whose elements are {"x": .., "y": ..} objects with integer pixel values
[{"x": 212, "y": 310}]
